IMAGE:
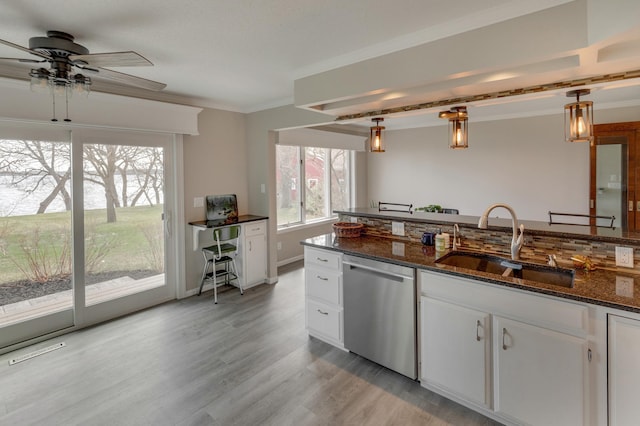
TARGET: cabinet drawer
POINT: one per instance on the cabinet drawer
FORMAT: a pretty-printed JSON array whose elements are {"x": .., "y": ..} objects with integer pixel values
[
  {"x": 255, "y": 228},
  {"x": 324, "y": 320},
  {"x": 323, "y": 284},
  {"x": 324, "y": 258},
  {"x": 545, "y": 311}
]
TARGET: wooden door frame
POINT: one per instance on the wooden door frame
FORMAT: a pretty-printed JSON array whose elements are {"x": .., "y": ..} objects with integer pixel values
[{"x": 630, "y": 130}]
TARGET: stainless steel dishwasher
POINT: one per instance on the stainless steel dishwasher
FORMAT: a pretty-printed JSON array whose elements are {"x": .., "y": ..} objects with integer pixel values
[{"x": 380, "y": 313}]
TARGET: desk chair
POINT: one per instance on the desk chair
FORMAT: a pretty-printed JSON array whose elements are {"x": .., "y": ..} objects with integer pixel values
[{"x": 222, "y": 252}]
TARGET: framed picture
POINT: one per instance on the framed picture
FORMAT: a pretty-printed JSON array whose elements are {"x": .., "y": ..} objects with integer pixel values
[{"x": 222, "y": 209}]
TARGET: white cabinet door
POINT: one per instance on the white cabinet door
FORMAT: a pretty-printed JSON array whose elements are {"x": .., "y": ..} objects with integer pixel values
[
  {"x": 256, "y": 259},
  {"x": 624, "y": 371},
  {"x": 455, "y": 345},
  {"x": 323, "y": 294},
  {"x": 539, "y": 374}
]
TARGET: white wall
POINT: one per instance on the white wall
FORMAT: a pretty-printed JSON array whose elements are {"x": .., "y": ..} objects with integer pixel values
[
  {"x": 261, "y": 140},
  {"x": 215, "y": 162},
  {"x": 522, "y": 162}
]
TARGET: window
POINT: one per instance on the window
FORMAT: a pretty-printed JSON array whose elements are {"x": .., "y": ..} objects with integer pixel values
[{"x": 311, "y": 183}]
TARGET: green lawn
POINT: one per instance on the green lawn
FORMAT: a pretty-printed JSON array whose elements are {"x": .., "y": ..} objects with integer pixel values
[{"x": 44, "y": 240}]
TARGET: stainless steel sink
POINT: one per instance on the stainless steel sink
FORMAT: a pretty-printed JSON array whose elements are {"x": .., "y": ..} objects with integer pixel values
[{"x": 492, "y": 264}]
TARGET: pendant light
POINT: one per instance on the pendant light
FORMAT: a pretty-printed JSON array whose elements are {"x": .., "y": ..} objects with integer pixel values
[
  {"x": 376, "y": 142},
  {"x": 578, "y": 118},
  {"x": 458, "y": 127}
]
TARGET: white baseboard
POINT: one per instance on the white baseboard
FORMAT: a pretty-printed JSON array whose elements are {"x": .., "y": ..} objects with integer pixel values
[{"x": 290, "y": 260}]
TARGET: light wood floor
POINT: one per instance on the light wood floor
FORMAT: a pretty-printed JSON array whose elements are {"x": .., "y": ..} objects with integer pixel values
[{"x": 245, "y": 361}]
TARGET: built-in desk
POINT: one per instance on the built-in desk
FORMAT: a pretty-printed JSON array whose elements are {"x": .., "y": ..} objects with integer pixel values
[{"x": 252, "y": 259}]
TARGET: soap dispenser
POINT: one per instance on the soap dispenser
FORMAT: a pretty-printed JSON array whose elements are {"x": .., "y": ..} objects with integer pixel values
[{"x": 440, "y": 241}]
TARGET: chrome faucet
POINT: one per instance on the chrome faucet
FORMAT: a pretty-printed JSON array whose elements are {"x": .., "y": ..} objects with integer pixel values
[
  {"x": 456, "y": 236},
  {"x": 517, "y": 240}
]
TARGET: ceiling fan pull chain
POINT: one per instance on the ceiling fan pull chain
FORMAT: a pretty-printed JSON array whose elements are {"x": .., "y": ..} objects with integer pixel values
[
  {"x": 66, "y": 97},
  {"x": 53, "y": 96}
]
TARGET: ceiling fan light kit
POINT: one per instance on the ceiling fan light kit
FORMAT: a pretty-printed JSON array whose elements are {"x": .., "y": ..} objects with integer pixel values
[{"x": 65, "y": 57}]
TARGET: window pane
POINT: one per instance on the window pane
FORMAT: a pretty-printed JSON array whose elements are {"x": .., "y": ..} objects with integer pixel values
[
  {"x": 288, "y": 184},
  {"x": 123, "y": 227},
  {"x": 35, "y": 229},
  {"x": 339, "y": 179},
  {"x": 315, "y": 171}
]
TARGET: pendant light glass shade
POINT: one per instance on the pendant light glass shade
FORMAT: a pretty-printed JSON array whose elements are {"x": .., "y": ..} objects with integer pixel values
[
  {"x": 458, "y": 127},
  {"x": 578, "y": 118},
  {"x": 376, "y": 140}
]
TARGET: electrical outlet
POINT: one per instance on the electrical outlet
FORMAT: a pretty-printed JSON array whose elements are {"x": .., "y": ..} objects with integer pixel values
[
  {"x": 624, "y": 257},
  {"x": 397, "y": 228},
  {"x": 624, "y": 286},
  {"x": 198, "y": 202},
  {"x": 397, "y": 249},
  {"x": 353, "y": 219}
]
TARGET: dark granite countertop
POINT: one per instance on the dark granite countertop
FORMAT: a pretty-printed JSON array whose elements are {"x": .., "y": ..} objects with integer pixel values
[
  {"x": 597, "y": 287},
  {"x": 615, "y": 235}
]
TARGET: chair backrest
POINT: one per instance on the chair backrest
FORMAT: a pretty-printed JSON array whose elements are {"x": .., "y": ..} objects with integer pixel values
[
  {"x": 226, "y": 233},
  {"x": 226, "y": 239}
]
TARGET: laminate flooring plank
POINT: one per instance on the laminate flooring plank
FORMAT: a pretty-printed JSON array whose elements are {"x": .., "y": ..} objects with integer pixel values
[{"x": 244, "y": 361}]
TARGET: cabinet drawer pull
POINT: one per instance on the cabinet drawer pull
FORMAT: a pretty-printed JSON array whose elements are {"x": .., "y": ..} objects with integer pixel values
[
  {"x": 589, "y": 355},
  {"x": 322, "y": 278},
  {"x": 504, "y": 335},
  {"x": 322, "y": 260},
  {"x": 322, "y": 312},
  {"x": 478, "y": 326}
]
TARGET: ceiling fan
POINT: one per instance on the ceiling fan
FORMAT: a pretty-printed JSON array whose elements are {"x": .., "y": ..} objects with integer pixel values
[
  {"x": 64, "y": 56},
  {"x": 68, "y": 60}
]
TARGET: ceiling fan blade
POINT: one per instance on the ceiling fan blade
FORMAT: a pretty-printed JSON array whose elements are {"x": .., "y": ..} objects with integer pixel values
[
  {"x": 130, "y": 80},
  {"x": 24, "y": 49},
  {"x": 113, "y": 59},
  {"x": 23, "y": 60}
]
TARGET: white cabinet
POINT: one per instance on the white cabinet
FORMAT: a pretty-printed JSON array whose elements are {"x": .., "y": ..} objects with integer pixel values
[
  {"x": 624, "y": 373},
  {"x": 455, "y": 345},
  {"x": 323, "y": 295},
  {"x": 254, "y": 253},
  {"x": 518, "y": 357},
  {"x": 539, "y": 374}
]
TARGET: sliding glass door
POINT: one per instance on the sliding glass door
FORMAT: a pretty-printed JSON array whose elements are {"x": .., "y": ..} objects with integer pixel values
[
  {"x": 35, "y": 237},
  {"x": 85, "y": 229},
  {"x": 125, "y": 186}
]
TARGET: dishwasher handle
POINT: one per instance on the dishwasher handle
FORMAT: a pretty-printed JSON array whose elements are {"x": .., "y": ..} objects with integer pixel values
[{"x": 378, "y": 272}]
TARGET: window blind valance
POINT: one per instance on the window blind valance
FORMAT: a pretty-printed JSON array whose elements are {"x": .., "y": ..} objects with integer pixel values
[{"x": 98, "y": 110}]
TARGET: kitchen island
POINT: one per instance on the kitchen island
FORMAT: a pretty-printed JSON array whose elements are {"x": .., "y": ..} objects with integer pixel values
[
  {"x": 496, "y": 344},
  {"x": 597, "y": 287}
]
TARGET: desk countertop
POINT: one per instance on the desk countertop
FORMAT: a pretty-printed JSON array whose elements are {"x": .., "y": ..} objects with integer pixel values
[{"x": 240, "y": 219}]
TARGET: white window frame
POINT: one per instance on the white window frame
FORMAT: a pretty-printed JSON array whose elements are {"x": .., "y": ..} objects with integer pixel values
[{"x": 327, "y": 184}]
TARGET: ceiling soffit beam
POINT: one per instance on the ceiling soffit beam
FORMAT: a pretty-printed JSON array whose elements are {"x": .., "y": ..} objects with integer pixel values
[
  {"x": 507, "y": 44},
  {"x": 606, "y": 78},
  {"x": 416, "y": 93}
]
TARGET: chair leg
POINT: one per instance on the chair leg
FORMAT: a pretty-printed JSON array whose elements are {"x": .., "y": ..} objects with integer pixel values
[
  {"x": 204, "y": 275},
  {"x": 235, "y": 271},
  {"x": 215, "y": 284}
]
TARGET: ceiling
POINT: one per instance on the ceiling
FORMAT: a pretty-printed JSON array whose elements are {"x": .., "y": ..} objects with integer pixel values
[{"x": 244, "y": 55}]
